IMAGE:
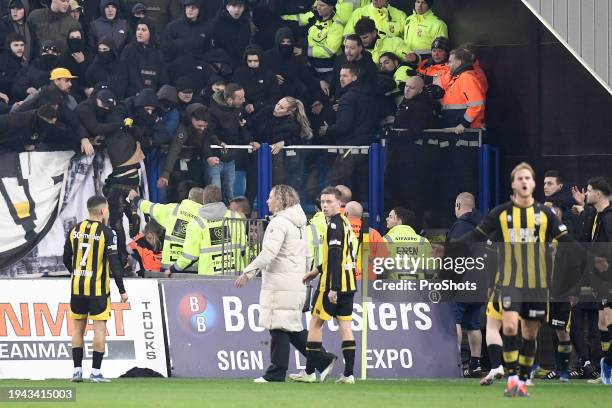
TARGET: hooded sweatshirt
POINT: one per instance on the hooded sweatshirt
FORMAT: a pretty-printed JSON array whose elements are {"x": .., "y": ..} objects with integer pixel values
[
  {"x": 8, "y": 25},
  {"x": 182, "y": 36},
  {"x": 281, "y": 61},
  {"x": 146, "y": 68},
  {"x": 233, "y": 35},
  {"x": 107, "y": 68},
  {"x": 117, "y": 29},
  {"x": 259, "y": 83}
]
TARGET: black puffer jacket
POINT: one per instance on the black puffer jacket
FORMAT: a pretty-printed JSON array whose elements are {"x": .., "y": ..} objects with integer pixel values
[
  {"x": 267, "y": 128},
  {"x": 111, "y": 72},
  {"x": 232, "y": 35},
  {"x": 184, "y": 37}
]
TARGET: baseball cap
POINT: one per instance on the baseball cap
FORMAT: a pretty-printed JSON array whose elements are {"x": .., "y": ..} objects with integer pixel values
[
  {"x": 74, "y": 4},
  {"x": 59, "y": 73},
  {"x": 107, "y": 98},
  {"x": 139, "y": 7},
  {"x": 49, "y": 45}
]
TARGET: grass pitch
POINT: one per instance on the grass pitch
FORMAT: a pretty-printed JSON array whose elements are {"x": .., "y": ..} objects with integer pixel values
[{"x": 196, "y": 393}]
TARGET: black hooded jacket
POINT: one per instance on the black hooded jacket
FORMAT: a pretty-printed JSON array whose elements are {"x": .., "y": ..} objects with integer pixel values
[
  {"x": 35, "y": 75},
  {"x": 117, "y": 30},
  {"x": 108, "y": 69},
  {"x": 11, "y": 68},
  {"x": 232, "y": 35},
  {"x": 95, "y": 119},
  {"x": 259, "y": 84},
  {"x": 293, "y": 69},
  {"x": 146, "y": 67},
  {"x": 184, "y": 37}
]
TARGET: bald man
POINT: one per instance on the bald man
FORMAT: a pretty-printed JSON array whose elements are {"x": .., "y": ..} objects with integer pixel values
[
  {"x": 353, "y": 209},
  {"x": 467, "y": 315},
  {"x": 417, "y": 111}
]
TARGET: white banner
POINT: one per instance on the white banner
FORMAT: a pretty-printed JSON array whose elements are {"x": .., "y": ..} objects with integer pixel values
[{"x": 35, "y": 330}]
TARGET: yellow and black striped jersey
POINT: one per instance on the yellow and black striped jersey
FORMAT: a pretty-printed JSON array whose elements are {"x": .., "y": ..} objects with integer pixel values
[
  {"x": 88, "y": 251},
  {"x": 523, "y": 236},
  {"x": 338, "y": 267}
]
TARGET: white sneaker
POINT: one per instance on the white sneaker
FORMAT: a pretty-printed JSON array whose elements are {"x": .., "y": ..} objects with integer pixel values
[
  {"x": 260, "y": 380},
  {"x": 303, "y": 377},
  {"x": 346, "y": 380},
  {"x": 328, "y": 369},
  {"x": 494, "y": 374}
]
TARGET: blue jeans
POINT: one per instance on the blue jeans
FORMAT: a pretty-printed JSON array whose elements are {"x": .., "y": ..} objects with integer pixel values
[{"x": 223, "y": 176}]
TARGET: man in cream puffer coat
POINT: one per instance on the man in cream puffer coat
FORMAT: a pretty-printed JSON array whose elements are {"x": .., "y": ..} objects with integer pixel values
[{"x": 284, "y": 259}]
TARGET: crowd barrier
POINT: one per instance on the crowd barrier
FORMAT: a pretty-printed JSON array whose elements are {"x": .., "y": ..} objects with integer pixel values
[
  {"x": 45, "y": 192},
  {"x": 208, "y": 328}
]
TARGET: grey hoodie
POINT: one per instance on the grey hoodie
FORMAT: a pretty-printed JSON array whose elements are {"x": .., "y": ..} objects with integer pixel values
[{"x": 213, "y": 211}]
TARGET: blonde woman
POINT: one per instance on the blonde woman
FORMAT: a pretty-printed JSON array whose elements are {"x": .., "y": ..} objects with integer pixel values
[
  {"x": 284, "y": 259},
  {"x": 280, "y": 126}
]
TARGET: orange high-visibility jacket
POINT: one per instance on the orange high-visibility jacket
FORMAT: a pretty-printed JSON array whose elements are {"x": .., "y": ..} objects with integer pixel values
[{"x": 464, "y": 99}]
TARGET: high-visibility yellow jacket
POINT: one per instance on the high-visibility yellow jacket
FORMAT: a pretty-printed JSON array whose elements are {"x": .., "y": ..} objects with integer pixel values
[
  {"x": 174, "y": 218},
  {"x": 389, "y": 20},
  {"x": 344, "y": 9},
  {"x": 212, "y": 242},
  {"x": 389, "y": 44},
  {"x": 422, "y": 29},
  {"x": 403, "y": 240}
]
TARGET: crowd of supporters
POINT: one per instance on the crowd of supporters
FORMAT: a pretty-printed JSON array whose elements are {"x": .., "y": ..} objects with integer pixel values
[{"x": 164, "y": 80}]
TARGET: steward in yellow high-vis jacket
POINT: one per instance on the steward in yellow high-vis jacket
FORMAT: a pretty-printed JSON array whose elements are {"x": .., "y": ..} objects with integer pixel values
[
  {"x": 389, "y": 20},
  {"x": 174, "y": 218},
  {"x": 210, "y": 240}
]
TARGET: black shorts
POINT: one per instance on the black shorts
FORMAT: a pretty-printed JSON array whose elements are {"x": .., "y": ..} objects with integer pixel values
[
  {"x": 342, "y": 310},
  {"x": 97, "y": 308},
  {"x": 560, "y": 315},
  {"x": 605, "y": 304},
  {"x": 511, "y": 301}
]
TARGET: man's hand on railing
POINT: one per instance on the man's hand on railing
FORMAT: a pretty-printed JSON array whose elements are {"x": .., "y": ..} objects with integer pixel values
[
  {"x": 4, "y": 97},
  {"x": 86, "y": 147},
  {"x": 255, "y": 146},
  {"x": 459, "y": 129},
  {"x": 162, "y": 182}
]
